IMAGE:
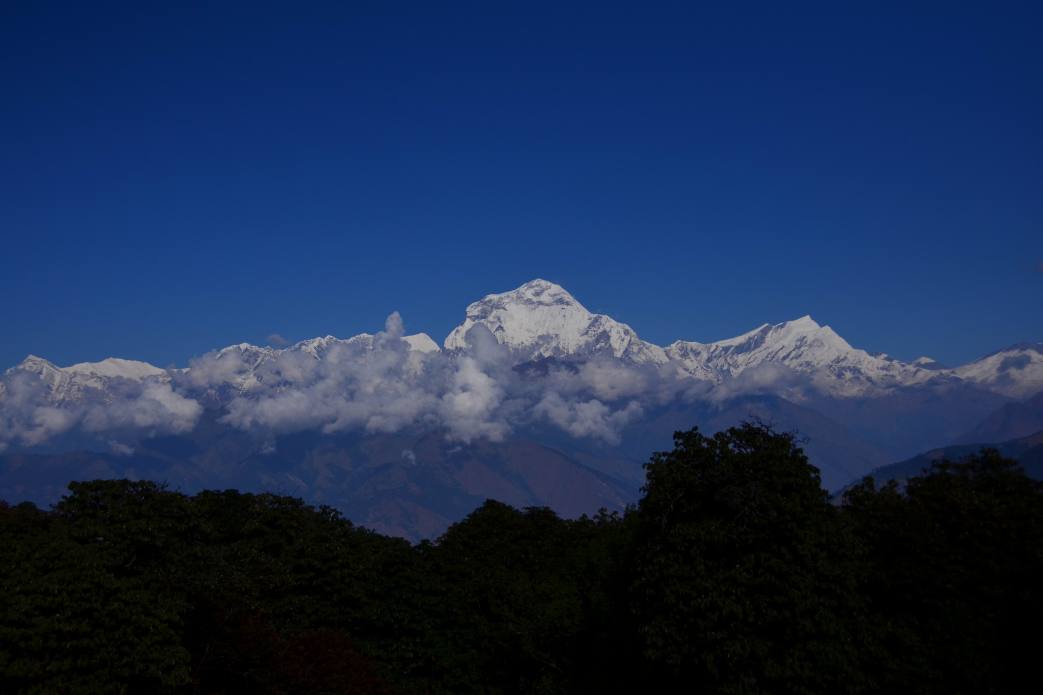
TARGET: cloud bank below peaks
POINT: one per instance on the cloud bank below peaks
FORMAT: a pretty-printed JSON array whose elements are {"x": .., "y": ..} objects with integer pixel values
[
  {"x": 477, "y": 388},
  {"x": 529, "y": 357},
  {"x": 31, "y": 414},
  {"x": 381, "y": 384}
]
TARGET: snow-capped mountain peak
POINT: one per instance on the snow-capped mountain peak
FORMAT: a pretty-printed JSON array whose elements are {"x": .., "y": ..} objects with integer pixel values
[
  {"x": 88, "y": 379},
  {"x": 49, "y": 373},
  {"x": 541, "y": 319},
  {"x": 542, "y": 292},
  {"x": 788, "y": 334},
  {"x": 37, "y": 365},
  {"x": 115, "y": 367},
  {"x": 109, "y": 368},
  {"x": 318, "y": 347},
  {"x": 246, "y": 366},
  {"x": 1015, "y": 371},
  {"x": 421, "y": 342},
  {"x": 926, "y": 362},
  {"x": 802, "y": 346},
  {"x": 315, "y": 345}
]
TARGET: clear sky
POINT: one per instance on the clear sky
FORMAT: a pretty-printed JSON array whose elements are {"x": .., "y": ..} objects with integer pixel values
[{"x": 175, "y": 180}]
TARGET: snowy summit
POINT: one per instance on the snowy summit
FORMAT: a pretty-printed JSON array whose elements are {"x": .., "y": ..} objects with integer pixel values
[{"x": 541, "y": 319}]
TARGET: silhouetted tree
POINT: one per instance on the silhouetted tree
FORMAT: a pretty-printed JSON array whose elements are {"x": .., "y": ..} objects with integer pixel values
[
  {"x": 741, "y": 583},
  {"x": 734, "y": 574},
  {"x": 953, "y": 570}
]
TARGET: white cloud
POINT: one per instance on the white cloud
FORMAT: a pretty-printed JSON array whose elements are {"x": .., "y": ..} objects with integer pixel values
[
  {"x": 590, "y": 418},
  {"x": 374, "y": 384},
  {"x": 763, "y": 378},
  {"x": 469, "y": 408},
  {"x": 29, "y": 417}
]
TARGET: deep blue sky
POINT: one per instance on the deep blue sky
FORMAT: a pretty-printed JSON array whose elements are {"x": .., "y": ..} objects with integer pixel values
[{"x": 172, "y": 181}]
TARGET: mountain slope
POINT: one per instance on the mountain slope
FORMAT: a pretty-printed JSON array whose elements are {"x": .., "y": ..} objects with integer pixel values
[
  {"x": 87, "y": 379},
  {"x": 540, "y": 319},
  {"x": 407, "y": 484},
  {"x": 1028, "y": 451},
  {"x": 805, "y": 349},
  {"x": 1016, "y": 371},
  {"x": 1011, "y": 421}
]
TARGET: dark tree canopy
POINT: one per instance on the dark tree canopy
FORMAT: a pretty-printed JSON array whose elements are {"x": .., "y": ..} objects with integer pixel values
[
  {"x": 742, "y": 582},
  {"x": 734, "y": 574}
]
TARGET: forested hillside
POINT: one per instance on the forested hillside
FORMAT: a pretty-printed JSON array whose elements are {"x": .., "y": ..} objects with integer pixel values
[{"x": 733, "y": 574}]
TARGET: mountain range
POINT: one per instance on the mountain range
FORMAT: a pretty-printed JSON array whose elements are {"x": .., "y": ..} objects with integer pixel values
[{"x": 532, "y": 399}]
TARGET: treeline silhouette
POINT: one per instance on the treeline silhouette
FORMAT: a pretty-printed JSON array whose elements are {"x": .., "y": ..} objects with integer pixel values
[{"x": 735, "y": 573}]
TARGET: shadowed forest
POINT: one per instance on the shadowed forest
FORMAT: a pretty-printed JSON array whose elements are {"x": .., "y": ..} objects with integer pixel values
[{"x": 735, "y": 573}]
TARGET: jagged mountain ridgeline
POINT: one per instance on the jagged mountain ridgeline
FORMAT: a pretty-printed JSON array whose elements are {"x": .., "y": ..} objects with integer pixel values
[{"x": 533, "y": 400}]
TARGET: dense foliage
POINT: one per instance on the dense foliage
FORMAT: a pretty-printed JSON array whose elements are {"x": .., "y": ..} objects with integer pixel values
[{"x": 734, "y": 574}]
